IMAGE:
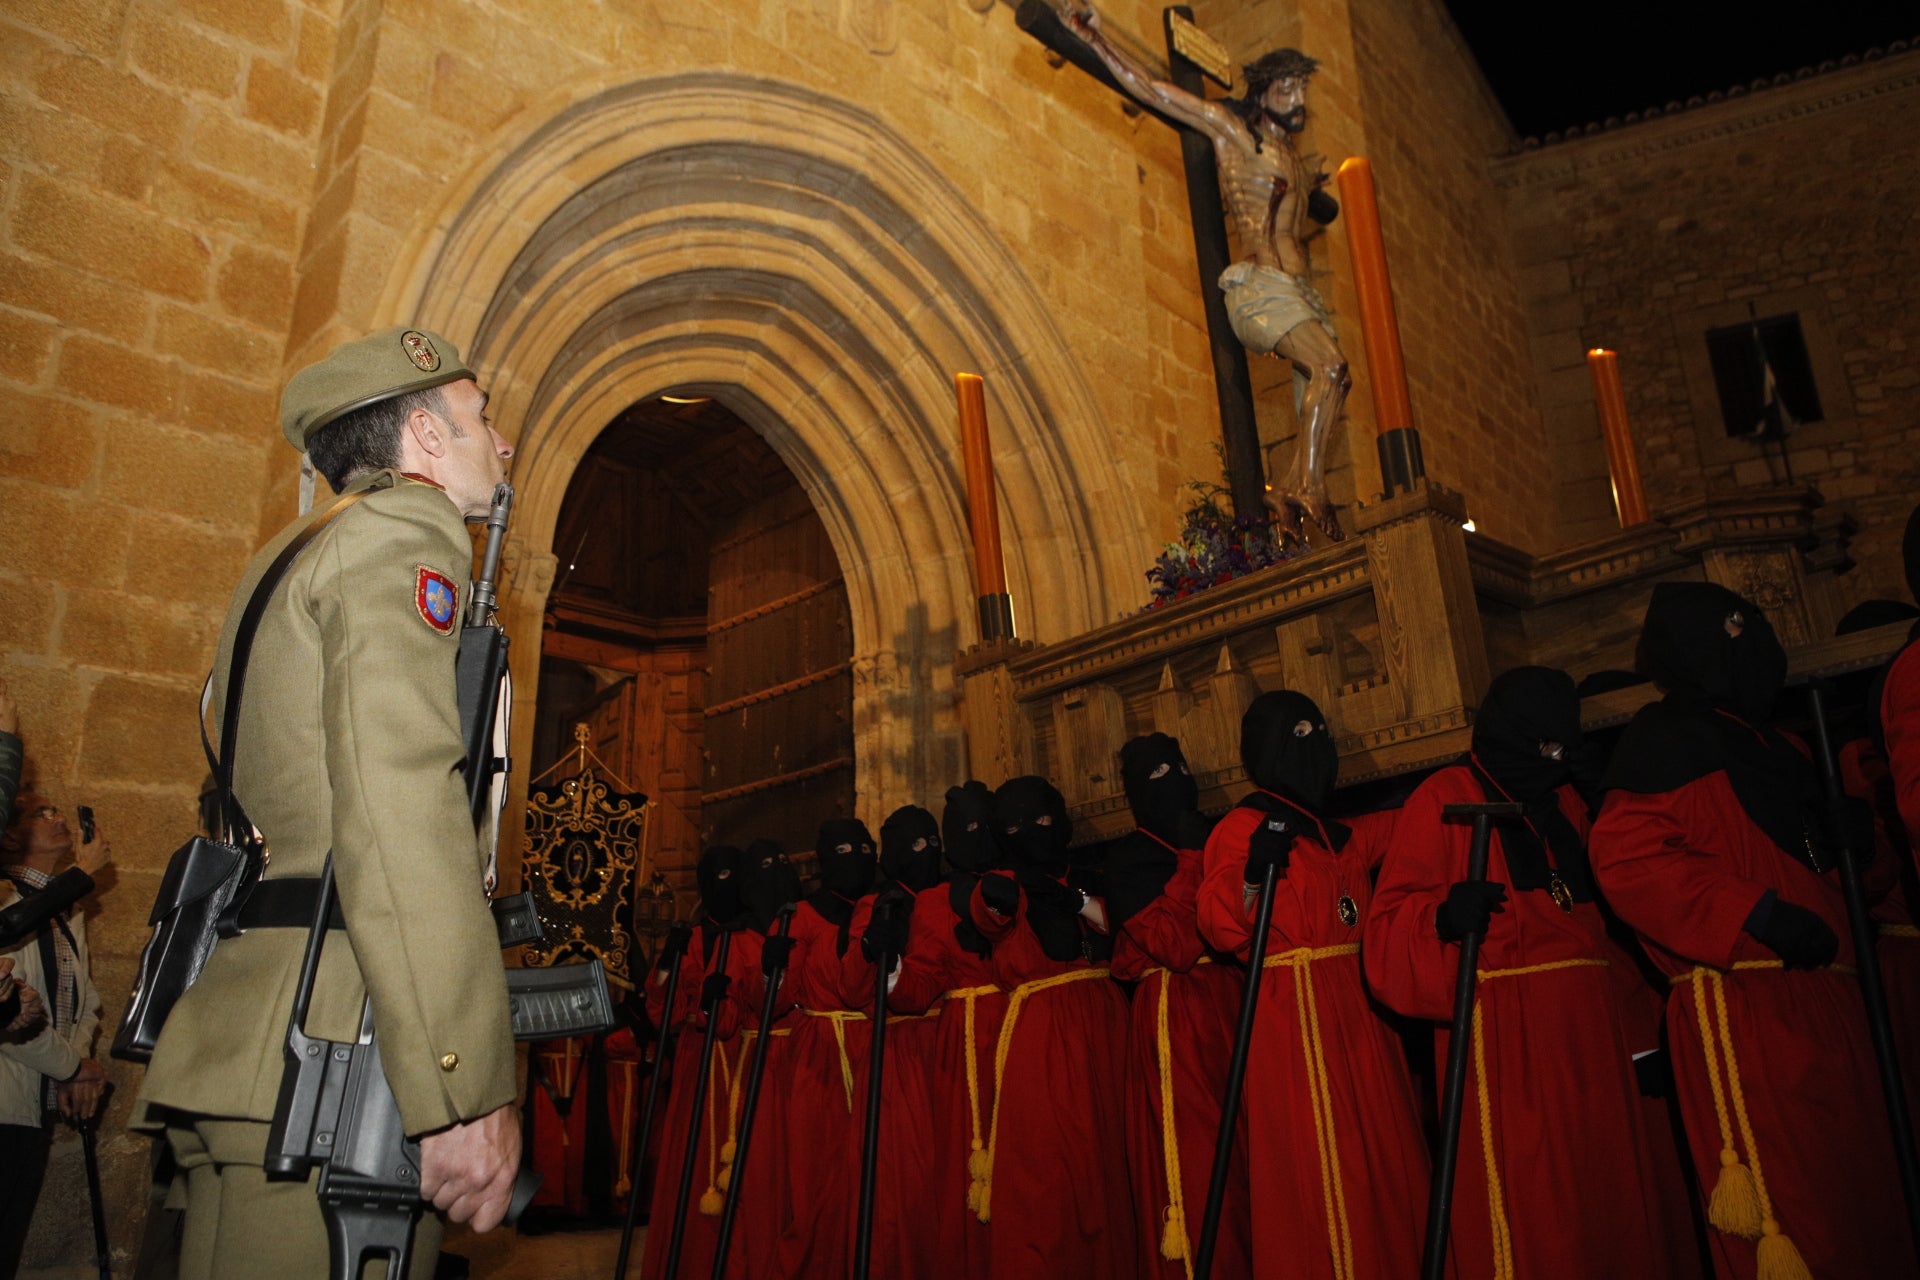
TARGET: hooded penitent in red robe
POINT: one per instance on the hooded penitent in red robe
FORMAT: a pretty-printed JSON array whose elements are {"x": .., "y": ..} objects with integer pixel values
[
  {"x": 1336, "y": 1157},
  {"x": 1055, "y": 1187},
  {"x": 946, "y": 970},
  {"x": 1711, "y": 844},
  {"x": 1184, "y": 1013},
  {"x": 718, "y": 877},
  {"x": 1555, "y": 1176}
]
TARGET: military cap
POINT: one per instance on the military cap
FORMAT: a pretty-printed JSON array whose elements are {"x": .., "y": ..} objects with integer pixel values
[{"x": 387, "y": 363}]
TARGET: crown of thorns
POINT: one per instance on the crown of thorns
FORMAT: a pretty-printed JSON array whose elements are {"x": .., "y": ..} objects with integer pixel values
[{"x": 1281, "y": 64}]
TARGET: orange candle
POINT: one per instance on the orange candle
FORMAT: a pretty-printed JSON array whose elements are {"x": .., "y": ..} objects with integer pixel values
[
  {"x": 1380, "y": 328},
  {"x": 983, "y": 511},
  {"x": 1629, "y": 497}
]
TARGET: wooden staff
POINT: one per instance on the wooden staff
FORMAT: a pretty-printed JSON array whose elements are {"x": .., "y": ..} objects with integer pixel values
[
  {"x": 782, "y": 926},
  {"x": 983, "y": 510},
  {"x": 876, "y": 1063},
  {"x": 676, "y": 945},
  {"x": 1236, "y": 1077},
  {"x": 1454, "y": 1097},
  {"x": 712, "y": 993}
]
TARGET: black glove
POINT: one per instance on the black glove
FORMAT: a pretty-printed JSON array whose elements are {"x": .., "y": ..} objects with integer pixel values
[
  {"x": 1798, "y": 936},
  {"x": 1046, "y": 891},
  {"x": 776, "y": 954},
  {"x": 1469, "y": 906},
  {"x": 675, "y": 945},
  {"x": 1000, "y": 894},
  {"x": 1653, "y": 1072},
  {"x": 1270, "y": 845},
  {"x": 714, "y": 990},
  {"x": 887, "y": 929}
]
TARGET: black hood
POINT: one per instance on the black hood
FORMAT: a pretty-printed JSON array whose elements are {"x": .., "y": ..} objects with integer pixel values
[
  {"x": 1030, "y": 815},
  {"x": 971, "y": 841},
  {"x": 768, "y": 882},
  {"x": 1525, "y": 710},
  {"x": 1286, "y": 748},
  {"x": 1706, "y": 644},
  {"x": 910, "y": 848},
  {"x": 1160, "y": 788},
  {"x": 718, "y": 876},
  {"x": 847, "y": 858}
]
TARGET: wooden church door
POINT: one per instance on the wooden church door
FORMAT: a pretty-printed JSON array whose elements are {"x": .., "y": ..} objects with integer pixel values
[{"x": 779, "y": 732}]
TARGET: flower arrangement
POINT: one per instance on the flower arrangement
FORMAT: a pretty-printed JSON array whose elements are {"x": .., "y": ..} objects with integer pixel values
[{"x": 1213, "y": 547}]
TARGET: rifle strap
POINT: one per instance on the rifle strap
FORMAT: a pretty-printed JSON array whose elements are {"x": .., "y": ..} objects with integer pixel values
[{"x": 239, "y": 830}]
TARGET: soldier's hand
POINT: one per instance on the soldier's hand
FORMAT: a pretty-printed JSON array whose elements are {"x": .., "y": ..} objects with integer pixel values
[{"x": 467, "y": 1170}]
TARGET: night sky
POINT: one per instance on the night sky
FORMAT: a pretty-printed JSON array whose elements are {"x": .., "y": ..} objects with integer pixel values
[{"x": 1556, "y": 66}]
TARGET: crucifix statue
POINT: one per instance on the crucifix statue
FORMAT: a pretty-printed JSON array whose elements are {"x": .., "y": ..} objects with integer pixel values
[{"x": 1275, "y": 202}]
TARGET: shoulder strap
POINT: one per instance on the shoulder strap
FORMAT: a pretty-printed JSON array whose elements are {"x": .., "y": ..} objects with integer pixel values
[{"x": 243, "y": 646}]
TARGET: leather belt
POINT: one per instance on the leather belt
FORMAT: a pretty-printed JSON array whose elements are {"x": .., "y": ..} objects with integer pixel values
[{"x": 286, "y": 903}]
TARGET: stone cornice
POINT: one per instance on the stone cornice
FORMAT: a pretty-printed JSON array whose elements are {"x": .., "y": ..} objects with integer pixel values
[{"x": 1711, "y": 122}]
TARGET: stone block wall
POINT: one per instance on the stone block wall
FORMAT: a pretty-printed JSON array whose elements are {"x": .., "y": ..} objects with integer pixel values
[
  {"x": 155, "y": 169},
  {"x": 1795, "y": 198}
]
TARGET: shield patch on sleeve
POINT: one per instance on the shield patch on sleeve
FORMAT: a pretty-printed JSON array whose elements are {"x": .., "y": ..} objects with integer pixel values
[{"x": 437, "y": 599}]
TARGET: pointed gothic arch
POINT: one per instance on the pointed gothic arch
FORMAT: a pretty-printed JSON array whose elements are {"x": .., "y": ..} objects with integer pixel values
[{"x": 794, "y": 257}]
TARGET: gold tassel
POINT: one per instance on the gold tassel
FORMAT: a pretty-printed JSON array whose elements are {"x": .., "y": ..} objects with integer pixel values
[
  {"x": 1173, "y": 1237},
  {"x": 977, "y": 1162},
  {"x": 725, "y": 1179},
  {"x": 973, "y": 1196},
  {"x": 727, "y": 1150},
  {"x": 1776, "y": 1258},
  {"x": 712, "y": 1202},
  {"x": 1734, "y": 1206}
]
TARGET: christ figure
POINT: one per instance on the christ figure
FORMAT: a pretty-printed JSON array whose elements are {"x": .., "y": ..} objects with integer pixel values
[{"x": 1267, "y": 186}]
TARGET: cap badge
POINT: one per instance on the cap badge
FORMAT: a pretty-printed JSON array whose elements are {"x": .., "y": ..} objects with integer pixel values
[
  {"x": 437, "y": 599},
  {"x": 420, "y": 350}
]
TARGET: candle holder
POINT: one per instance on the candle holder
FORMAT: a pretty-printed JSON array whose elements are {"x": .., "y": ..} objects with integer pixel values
[
  {"x": 1402, "y": 464},
  {"x": 996, "y": 617}
]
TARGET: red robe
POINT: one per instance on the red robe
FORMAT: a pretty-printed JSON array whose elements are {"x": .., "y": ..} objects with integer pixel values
[
  {"x": 765, "y": 1208},
  {"x": 902, "y": 1244},
  {"x": 702, "y": 1229},
  {"x": 1198, "y": 1003},
  {"x": 824, "y": 1107},
  {"x": 1056, "y": 1196},
  {"x": 1685, "y": 868},
  {"x": 1337, "y": 1158},
  {"x": 1562, "y": 1128},
  {"x": 939, "y": 972}
]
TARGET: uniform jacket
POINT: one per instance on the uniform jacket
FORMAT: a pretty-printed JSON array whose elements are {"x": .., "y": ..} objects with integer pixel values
[
  {"x": 48, "y": 1053},
  {"x": 349, "y": 741}
]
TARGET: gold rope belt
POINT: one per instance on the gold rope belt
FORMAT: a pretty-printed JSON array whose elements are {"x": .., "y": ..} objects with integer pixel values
[
  {"x": 1175, "y": 1244},
  {"x": 840, "y": 1018},
  {"x": 1739, "y": 1205},
  {"x": 1320, "y": 1095},
  {"x": 1015, "y": 999},
  {"x": 1900, "y": 931},
  {"x": 1496, "y": 1195},
  {"x": 976, "y": 1153},
  {"x": 725, "y": 1080},
  {"x": 732, "y": 1144}
]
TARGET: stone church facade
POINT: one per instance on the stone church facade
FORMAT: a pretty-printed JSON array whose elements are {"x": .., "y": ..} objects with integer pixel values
[{"x": 816, "y": 212}]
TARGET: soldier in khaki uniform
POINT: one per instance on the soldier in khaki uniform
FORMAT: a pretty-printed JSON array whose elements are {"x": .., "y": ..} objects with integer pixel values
[{"x": 349, "y": 741}]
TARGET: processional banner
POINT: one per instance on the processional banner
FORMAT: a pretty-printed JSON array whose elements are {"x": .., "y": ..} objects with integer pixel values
[{"x": 583, "y": 846}]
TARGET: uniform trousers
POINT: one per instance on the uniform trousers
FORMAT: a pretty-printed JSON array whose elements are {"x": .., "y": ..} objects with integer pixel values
[{"x": 240, "y": 1225}]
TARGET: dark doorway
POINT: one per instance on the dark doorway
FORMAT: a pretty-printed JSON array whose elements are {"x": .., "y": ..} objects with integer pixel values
[{"x": 699, "y": 626}]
